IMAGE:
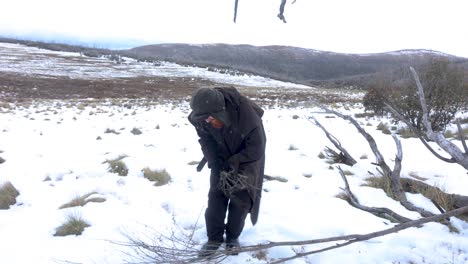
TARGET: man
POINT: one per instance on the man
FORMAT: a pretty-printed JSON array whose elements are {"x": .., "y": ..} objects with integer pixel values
[{"x": 232, "y": 140}]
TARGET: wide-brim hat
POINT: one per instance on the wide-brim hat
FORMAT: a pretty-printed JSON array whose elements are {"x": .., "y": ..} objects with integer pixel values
[{"x": 209, "y": 102}]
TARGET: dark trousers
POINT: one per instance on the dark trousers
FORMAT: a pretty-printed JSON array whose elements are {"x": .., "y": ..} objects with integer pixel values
[{"x": 237, "y": 207}]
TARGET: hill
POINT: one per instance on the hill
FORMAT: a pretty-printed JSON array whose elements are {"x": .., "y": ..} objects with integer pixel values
[{"x": 292, "y": 64}]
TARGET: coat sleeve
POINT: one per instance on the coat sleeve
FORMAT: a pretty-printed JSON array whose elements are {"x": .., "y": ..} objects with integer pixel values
[
  {"x": 208, "y": 147},
  {"x": 253, "y": 150}
]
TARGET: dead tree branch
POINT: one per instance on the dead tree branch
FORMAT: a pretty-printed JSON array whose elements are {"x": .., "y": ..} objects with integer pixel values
[
  {"x": 281, "y": 11},
  {"x": 168, "y": 254},
  {"x": 462, "y": 136},
  {"x": 377, "y": 211},
  {"x": 392, "y": 175},
  {"x": 348, "y": 159},
  {"x": 280, "y": 14},
  {"x": 236, "y": 4},
  {"x": 418, "y": 133},
  {"x": 457, "y": 154}
]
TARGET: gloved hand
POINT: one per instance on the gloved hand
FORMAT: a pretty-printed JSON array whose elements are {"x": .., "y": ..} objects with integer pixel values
[{"x": 232, "y": 164}]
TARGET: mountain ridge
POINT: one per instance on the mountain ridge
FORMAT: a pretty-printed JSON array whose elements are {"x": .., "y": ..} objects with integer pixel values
[{"x": 285, "y": 63}]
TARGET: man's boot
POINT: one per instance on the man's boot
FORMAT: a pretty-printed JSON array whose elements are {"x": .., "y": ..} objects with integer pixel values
[
  {"x": 232, "y": 246},
  {"x": 209, "y": 248}
]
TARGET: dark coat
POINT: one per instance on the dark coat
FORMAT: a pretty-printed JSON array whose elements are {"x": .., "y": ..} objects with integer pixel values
[{"x": 241, "y": 144}]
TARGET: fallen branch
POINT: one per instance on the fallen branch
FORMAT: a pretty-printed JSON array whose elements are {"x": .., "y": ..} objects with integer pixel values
[
  {"x": 377, "y": 211},
  {"x": 189, "y": 254}
]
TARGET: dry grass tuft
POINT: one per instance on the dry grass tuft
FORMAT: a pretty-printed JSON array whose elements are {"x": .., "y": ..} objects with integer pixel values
[
  {"x": 118, "y": 166},
  {"x": 83, "y": 200},
  {"x": 8, "y": 194},
  {"x": 74, "y": 225},
  {"x": 159, "y": 177},
  {"x": 380, "y": 183},
  {"x": 435, "y": 194}
]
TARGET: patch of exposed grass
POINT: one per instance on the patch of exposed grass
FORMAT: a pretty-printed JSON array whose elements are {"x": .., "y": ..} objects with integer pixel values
[
  {"x": 159, "y": 177},
  {"x": 463, "y": 120},
  {"x": 8, "y": 194},
  {"x": 416, "y": 176},
  {"x": 380, "y": 183},
  {"x": 365, "y": 114},
  {"x": 194, "y": 162},
  {"x": 108, "y": 131},
  {"x": 118, "y": 166},
  {"x": 321, "y": 155},
  {"x": 275, "y": 178},
  {"x": 83, "y": 200},
  {"x": 348, "y": 172},
  {"x": 384, "y": 128},
  {"x": 74, "y": 225},
  {"x": 406, "y": 133},
  {"x": 136, "y": 131},
  {"x": 464, "y": 132},
  {"x": 437, "y": 195},
  {"x": 449, "y": 134}
]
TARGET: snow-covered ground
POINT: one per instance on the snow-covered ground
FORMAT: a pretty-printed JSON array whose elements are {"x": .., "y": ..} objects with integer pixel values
[
  {"x": 55, "y": 151},
  {"x": 59, "y": 141}
]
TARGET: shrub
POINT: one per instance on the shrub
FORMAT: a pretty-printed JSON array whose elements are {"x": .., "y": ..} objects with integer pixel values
[
  {"x": 74, "y": 225},
  {"x": 83, "y": 200},
  {"x": 159, "y": 177},
  {"x": 444, "y": 91},
  {"x": 8, "y": 194}
]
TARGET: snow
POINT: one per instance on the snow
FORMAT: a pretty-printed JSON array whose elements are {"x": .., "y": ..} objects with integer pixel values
[{"x": 58, "y": 140}]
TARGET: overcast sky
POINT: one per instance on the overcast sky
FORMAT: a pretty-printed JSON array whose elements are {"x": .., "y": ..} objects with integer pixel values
[{"x": 351, "y": 26}]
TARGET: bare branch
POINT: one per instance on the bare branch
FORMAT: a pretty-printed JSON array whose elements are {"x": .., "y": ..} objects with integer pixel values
[
  {"x": 350, "y": 160},
  {"x": 422, "y": 100},
  {"x": 399, "y": 157},
  {"x": 236, "y": 4},
  {"x": 377, "y": 211},
  {"x": 369, "y": 138},
  {"x": 418, "y": 133},
  {"x": 462, "y": 136},
  {"x": 452, "y": 149},
  {"x": 281, "y": 11}
]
